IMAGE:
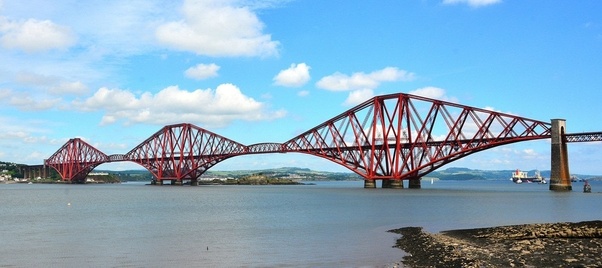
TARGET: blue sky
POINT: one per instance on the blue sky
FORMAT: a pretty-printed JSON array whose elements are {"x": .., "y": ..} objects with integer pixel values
[{"x": 114, "y": 72}]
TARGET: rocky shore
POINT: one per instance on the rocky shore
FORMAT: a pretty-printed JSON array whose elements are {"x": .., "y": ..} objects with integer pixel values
[{"x": 529, "y": 245}]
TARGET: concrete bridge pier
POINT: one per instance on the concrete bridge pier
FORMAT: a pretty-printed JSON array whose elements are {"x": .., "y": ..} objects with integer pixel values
[
  {"x": 392, "y": 183},
  {"x": 194, "y": 182},
  {"x": 560, "y": 178},
  {"x": 369, "y": 183},
  {"x": 414, "y": 183}
]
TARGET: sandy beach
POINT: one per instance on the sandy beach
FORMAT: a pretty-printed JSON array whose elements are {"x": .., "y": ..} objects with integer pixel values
[{"x": 564, "y": 244}]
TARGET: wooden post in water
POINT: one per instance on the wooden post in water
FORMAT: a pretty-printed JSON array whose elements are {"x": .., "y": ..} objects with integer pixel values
[{"x": 560, "y": 178}]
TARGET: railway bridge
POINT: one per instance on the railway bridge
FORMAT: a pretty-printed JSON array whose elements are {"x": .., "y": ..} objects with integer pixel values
[{"x": 393, "y": 138}]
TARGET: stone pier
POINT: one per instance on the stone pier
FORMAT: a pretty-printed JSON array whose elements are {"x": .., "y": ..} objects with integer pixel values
[
  {"x": 414, "y": 183},
  {"x": 560, "y": 178},
  {"x": 369, "y": 183},
  {"x": 394, "y": 184}
]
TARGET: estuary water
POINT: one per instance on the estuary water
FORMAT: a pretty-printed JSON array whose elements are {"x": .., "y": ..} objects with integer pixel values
[{"x": 330, "y": 224}]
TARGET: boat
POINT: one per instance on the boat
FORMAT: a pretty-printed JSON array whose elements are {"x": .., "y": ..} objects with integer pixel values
[
  {"x": 574, "y": 178},
  {"x": 523, "y": 176}
]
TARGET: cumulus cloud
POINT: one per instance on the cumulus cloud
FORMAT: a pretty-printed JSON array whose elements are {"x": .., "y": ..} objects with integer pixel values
[
  {"x": 214, "y": 108},
  {"x": 217, "y": 28},
  {"x": 76, "y": 88},
  {"x": 50, "y": 84},
  {"x": 295, "y": 76},
  {"x": 362, "y": 84},
  {"x": 433, "y": 93},
  {"x": 358, "y": 96},
  {"x": 202, "y": 71},
  {"x": 360, "y": 80},
  {"x": 35, "y": 35},
  {"x": 25, "y": 101},
  {"x": 472, "y": 3}
]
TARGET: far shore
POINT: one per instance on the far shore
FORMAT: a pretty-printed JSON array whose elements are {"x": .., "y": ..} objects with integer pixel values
[{"x": 564, "y": 244}]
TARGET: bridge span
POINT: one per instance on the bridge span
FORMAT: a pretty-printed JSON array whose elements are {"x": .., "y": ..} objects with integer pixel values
[{"x": 392, "y": 138}]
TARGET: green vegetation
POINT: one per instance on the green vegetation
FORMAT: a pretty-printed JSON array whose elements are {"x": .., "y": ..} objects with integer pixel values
[
  {"x": 283, "y": 174},
  {"x": 257, "y": 179},
  {"x": 12, "y": 169}
]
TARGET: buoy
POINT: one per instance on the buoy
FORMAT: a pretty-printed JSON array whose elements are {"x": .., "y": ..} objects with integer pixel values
[{"x": 68, "y": 204}]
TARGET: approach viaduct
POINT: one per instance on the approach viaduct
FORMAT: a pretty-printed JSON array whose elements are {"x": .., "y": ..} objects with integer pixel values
[{"x": 392, "y": 138}]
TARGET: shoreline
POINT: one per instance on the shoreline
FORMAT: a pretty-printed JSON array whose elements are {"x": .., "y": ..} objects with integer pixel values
[{"x": 564, "y": 244}]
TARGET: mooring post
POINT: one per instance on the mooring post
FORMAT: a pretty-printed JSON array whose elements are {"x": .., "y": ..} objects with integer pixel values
[{"x": 560, "y": 178}]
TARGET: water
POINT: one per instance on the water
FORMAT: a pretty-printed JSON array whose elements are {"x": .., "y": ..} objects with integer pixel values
[{"x": 332, "y": 224}]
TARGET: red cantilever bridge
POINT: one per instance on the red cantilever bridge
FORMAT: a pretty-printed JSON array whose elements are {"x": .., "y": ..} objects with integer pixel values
[{"x": 391, "y": 138}]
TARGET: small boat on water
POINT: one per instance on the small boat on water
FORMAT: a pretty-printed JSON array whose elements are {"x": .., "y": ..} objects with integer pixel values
[{"x": 523, "y": 176}]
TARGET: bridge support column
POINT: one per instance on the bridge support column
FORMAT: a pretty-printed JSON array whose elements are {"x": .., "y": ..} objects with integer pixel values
[
  {"x": 369, "y": 183},
  {"x": 560, "y": 178},
  {"x": 414, "y": 184},
  {"x": 194, "y": 182},
  {"x": 392, "y": 183}
]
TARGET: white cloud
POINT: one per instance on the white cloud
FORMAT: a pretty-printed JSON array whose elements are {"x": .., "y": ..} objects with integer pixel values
[
  {"x": 26, "y": 102},
  {"x": 53, "y": 85},
  {"x": 35, "y": 35},
  {"x": 202, "y": 71},
  {"x": 472, "y": 3},
  {"x": 433, "y": 93},
  {"x": 76, "y": 88},
  {"x": 217, "y": 28},
  {"x": 429, "y": 92},
  {"x": 361, "y": 84},
  {"x": 303, "y": 93},
  {"x": 295, "y": 76},
  {"x": 215, "y": 108},
  {"x": 358, "y": 96},
  {"x": 360, "y": 80}
]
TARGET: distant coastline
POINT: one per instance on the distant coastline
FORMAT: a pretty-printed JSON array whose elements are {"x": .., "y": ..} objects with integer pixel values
[{"x": 11, "y": 172}]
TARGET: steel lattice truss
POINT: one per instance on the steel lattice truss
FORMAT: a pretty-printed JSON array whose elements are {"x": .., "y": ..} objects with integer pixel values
[
  {"x": 584, "y": 137},
  {"x": 75, "y": 160},
  {"x": 397, "y": 136},
  {"x": 403, "y": 136},
  {"x": 183, "y": 151}
]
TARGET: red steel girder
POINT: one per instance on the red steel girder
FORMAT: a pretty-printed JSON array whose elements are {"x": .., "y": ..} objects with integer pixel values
[
  {"x": 402, "y": 136},
  {"x": 75, "y": 159},
  {"x": 183, "y": 151},
  {"x": 396, "y": 136},
  {"x": 267, "y": 147}
]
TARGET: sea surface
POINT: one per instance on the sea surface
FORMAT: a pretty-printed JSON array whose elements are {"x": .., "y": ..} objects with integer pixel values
[{"x": 330, "y": 224}]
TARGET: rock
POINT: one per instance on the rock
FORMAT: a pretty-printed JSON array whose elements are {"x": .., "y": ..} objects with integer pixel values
[{"x": 534, "y": 245}]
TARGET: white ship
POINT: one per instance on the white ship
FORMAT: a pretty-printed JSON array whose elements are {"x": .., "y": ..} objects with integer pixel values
[{"x": 523, "y": 176}]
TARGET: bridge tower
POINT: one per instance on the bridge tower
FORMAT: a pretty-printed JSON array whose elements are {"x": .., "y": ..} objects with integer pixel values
[{"x": 560, "y": 178}]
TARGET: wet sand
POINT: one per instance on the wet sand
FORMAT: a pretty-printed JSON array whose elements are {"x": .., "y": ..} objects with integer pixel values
[{"x": 530, "y": 245}]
